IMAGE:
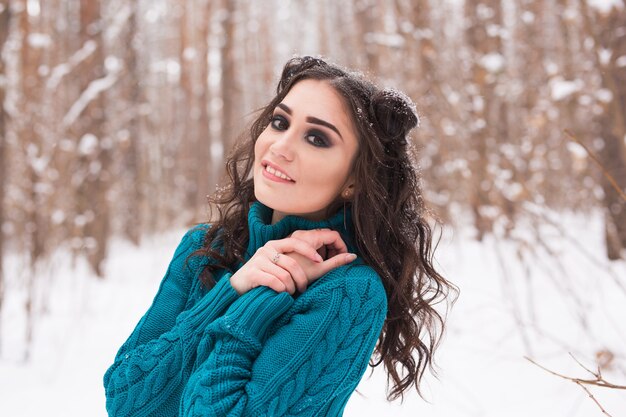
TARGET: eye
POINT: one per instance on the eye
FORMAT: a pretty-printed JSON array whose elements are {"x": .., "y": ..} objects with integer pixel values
[
  {"x": 279, "y": 123},
  {"x": 317, "y": 139}
]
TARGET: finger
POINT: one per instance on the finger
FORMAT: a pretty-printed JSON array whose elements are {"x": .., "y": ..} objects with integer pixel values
[
  {"x": 336, "y": 261},
  {"x": 324, "y": 252},
  {"x": 331, "y": 252},
  {"x": 321, "y": 237},
  {"x": 291, "y": 244},
  {"x": 296, "y": 271},
  {"x": 333, "y": 239},
  {"x": 269, "y": 280},
  {"x": 279, "y": 272}
]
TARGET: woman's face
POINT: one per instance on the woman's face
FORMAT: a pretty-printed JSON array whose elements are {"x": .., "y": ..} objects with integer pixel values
[{"x": 310, "y": 140}]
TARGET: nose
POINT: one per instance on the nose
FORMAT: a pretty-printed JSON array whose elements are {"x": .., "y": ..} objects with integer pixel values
[{"x": 283, "y": 145}]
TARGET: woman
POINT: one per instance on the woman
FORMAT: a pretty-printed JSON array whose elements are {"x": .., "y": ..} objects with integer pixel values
[{"x": 320, "y": 250}]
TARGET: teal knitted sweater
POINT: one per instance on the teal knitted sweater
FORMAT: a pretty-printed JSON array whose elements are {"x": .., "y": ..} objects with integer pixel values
[{"x": 199, "y": 352}]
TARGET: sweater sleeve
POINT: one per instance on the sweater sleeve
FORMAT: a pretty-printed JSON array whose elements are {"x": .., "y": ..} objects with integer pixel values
[
  {"x": 170, "y": 298},
  {"x": 308, "y": 366},
  {"x": 160, "y": 352}
]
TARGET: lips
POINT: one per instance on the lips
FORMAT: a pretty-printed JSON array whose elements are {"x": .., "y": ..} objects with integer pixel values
[{"x": 265, "y": 163}]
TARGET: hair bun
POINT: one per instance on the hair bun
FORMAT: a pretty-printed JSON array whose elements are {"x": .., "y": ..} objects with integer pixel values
[{"x": 395, "y": 115}]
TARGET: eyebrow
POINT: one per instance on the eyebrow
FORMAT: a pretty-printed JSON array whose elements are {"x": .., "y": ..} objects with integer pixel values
[{"x": 312, "y": 119}]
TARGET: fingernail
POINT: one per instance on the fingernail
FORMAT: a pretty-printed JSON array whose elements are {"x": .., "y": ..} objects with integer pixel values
[
  {"x": 319, "y": 257},
  {"x": 350, "y": 257}
]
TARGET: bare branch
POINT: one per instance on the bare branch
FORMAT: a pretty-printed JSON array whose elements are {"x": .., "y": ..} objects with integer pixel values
[
  {"x": 593, "y": 398},
  {"x": 598, "y": 381},
  {"x": 604, "y": 171}
]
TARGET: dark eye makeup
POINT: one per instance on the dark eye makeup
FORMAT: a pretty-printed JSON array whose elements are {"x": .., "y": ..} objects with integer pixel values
[{"x": 314, "y": 136}]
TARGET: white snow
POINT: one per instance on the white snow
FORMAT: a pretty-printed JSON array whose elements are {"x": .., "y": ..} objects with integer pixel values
[
  {"x": 604, "y": 95},
  {"x": 88, "y": 144},
  {"x": 392, "y": 40},
  {"x": 604, "y": 55},
  {"x": 561, "y": 88},
  {"x": 39, "y": 40},
  {"x": 571, "y": 300},
  {"x": 113, "y": 63},
  {"x": 65, "y": 68},
  {"x": 528, "y": 17},
  {"x": 170, "y": 67},
  {"x": 576, "y": 150},
  {"x": 57, "y": 216},
  {"x": 93, "y": 90},
  {"x": 484, "y": 12},
  {"x": 605, "y": 6},
  {"x": 492, "y": 62},
  {"x": 33, "y": 8},
  {"x": 118, "y": 22},
  {"x": 551, "y": 67},
  {"x": 190, "y": 53}
]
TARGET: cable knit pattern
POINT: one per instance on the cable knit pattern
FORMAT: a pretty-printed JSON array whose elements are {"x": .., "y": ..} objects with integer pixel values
[
  {"x": 329, "y": 343},
  {"x": 259, "y": 354}
]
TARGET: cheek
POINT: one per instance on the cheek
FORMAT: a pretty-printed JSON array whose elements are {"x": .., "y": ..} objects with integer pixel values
[
  {"x": 260, "y": 147},
  {"x": 326, "y": 173}
]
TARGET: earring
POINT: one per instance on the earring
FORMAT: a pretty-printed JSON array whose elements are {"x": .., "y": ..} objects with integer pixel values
[{"x": 346, "y": 194}]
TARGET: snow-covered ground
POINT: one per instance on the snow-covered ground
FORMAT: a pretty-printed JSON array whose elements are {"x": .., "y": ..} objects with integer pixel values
[{"x": 505, "y": 311}]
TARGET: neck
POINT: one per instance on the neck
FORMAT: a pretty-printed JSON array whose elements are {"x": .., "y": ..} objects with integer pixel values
[
  {"x": 276, "y": 216},
  {"x": 315, "y": 216}
]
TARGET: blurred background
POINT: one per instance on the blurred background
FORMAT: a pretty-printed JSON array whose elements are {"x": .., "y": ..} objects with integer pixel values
[{"x": 116, "y": 116}]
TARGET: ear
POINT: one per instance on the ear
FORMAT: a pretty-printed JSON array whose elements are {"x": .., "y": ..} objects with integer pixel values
[
  {"x": 347, "y": 191},
  {"x": 350, "y": 181},
  {"x": 349, "y": 184}
]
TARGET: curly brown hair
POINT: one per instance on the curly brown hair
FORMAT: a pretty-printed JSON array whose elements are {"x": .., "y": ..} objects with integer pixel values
[{"x": 389, "y": 215}]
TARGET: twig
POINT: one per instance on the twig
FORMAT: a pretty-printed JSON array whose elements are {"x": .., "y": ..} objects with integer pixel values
[
  {"x": 599, "y": 374},
  {"x": 604, "y": 171},
  {"x": 598, "y": 381},
  {"x": 593, "y": 398},
  {"x": 536, "y": 211}
]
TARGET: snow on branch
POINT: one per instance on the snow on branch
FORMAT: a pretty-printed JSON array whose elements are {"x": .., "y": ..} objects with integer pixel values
[
  {"x": 119, "y": 22},
  {"x": 62, "y": 70},
  {"x": 91, "y": 93}
]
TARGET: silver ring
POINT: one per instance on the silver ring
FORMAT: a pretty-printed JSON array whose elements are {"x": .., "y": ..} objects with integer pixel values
[{"x": 275, "y": 257}]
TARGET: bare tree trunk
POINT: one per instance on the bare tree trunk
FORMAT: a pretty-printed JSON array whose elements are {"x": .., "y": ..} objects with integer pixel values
[
  {"x": 487, "y": 108},
  {"x": 322, "y": 23},
  {"x": 5, "y": 19},
  {"x": 568, "y": 106},
  {"x": 419, "y": 69},
  {"x": 30, "y": 136},
  {"x": 186, "y": 103},
  {"x": 94, "y": 145},
  {"x": 204, "y": 178},
  {"x": 367, "y": 25},
  {"x": 230, "y": 89},
  {"x": 607, "y": 31},
  {"x": 131, "y": 164}
]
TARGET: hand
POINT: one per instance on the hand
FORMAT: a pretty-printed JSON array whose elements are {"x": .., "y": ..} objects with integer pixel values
[
  {"x": 327, "y": 243},
  {"x": 297, "y": 265},
  {"x": 283, "y": 274}
]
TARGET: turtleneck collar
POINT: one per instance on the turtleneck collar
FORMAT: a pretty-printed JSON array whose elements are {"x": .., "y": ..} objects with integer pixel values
[{"x": 262, "y": 231}]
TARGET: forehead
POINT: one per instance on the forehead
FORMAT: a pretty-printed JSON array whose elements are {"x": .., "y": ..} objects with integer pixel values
[{"x": 319, "y": 99}]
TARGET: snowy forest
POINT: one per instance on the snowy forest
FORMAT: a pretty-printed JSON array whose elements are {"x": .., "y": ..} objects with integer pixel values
[{"x": 116, "y": 117}]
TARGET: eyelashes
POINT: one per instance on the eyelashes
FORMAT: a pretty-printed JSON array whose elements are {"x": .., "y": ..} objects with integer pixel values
[
  {"x": 279, "y": 119},
  {"x": 318, "y": 138}
]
